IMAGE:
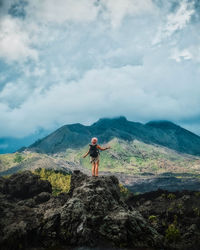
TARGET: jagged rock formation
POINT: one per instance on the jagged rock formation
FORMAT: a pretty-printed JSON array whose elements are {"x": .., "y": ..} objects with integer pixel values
[
  {"x": 175, "y": 215},
  {"x": 92, "y": 214}
]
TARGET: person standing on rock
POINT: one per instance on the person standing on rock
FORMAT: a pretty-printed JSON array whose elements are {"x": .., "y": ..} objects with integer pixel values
[{"x": 94, "y": 155}]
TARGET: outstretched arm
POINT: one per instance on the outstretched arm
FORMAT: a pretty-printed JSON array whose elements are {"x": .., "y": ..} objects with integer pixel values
[
  {"x": 101, "y": 148},
  {"x": 86, "y": 154}
]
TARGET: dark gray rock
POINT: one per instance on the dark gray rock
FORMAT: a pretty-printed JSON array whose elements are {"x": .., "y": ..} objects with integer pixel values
[
  {"x": 42, "y": 197},
  {"x": 25, "y": 185},
  {"x": 2, "y": 184},
  {"x": 96, "y": 206},
  {"x": 92, "y": 214}
]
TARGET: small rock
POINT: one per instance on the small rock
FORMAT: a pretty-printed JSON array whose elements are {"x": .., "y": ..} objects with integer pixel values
[
  {"x": 147, "y": 203},
  {"x": 42, "y": 197}
]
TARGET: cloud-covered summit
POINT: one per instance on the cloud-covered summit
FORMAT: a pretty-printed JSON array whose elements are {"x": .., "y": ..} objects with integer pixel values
[{"x": 70, "y": 61}]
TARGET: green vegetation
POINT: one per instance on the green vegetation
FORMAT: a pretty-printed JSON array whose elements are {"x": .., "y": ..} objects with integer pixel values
[
  {"x": 18, "y": 158},
  {"x": 136, "y": 158},
  {"x": 196, "y": 211},
  {"x": 163, "y": 196},
  {"x": 153, "y": 219},
  {"x": 60, "y": 181},
  {"x": 180, "y": 207},
  {"x": 131, "y": 158},
  {"x": 8, "y": 161},
  {"x": 124, "y": 191},
  {"x": 172, "y": 233},
  {"x": 171, "y": 197}
]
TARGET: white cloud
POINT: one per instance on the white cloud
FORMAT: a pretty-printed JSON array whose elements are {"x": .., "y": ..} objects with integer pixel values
[
  {"x": 178, "y": 55},
  {"x": 130, "y": 91},
  {"x": 60, "y": 11},
  {"x": 178, "y": 20},
  {"x": 118, "y": 9},
  {"x": 175, "y": 21},
  {"x": 96, "y": 60},
  {"x": 13, "y": 94},
  {"x": 15, "y": 44}
]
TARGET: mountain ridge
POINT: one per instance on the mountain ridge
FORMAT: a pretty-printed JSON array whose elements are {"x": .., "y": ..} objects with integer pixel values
[{"x": 164, "y": 133}]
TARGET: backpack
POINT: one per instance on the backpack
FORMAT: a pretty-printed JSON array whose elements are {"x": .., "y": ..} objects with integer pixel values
[{"x": 93, "y": 151}]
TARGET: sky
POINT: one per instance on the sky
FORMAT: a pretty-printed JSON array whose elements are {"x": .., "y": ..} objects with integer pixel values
[{"x": 69, "y": 61}]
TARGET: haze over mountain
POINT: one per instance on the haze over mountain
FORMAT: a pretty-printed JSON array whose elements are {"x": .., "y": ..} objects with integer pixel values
[
  {"x": 11, "y": 144},
  {"x": 164, "y": 133}
]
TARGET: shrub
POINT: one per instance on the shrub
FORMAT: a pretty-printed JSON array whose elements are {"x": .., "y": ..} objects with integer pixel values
[
  {"x": 163, "y": 196},
  {"x": 60, "y": 181},
  {"x": 196, "y": 211},
  {"x": 18, "y": 158},
  {"x": 172, "y": 234},
  {"x": 124, "y": 191},
  {"x": 180, "y": 207},
  {"x": 153, "y": 219},
  {"x": 171, "y": 196}
]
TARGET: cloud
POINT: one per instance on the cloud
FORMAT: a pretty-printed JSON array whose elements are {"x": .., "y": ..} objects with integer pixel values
[
  {"x": 63, "y": 10},
  {"x": 118, "y": 9},
  {"x": 180, "y": 18},
  {"x": 5, "y": 6},
  {"x": 181, "y": 55},
  {"x": 131, "y": 91},
  {"x": 76, "y": 61},
  {"x": 15, "y": 44},
  {"x": 175, "y": 21},
  {"x": 13, "y": 94}
]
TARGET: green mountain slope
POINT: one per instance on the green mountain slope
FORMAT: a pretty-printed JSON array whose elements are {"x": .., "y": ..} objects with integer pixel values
[
  {"x": 140, "y": 166},
  {"x": 76, "y": 136},
  {"x": 136, "y": 157},
  {"x": 31, "y": 161},
  {"x": 127, "y": 157}
]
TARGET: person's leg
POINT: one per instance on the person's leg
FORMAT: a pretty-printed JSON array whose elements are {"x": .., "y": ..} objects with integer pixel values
[
  {"x": 93, "y": 168},
  {"x": 97, "y": 168}
]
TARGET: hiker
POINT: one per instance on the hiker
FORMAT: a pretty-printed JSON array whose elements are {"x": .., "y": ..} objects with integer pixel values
[{"x": 94, "y": 155}]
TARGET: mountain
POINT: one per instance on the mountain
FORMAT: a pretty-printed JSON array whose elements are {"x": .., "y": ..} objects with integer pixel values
[{"x": 76, "y": 136}]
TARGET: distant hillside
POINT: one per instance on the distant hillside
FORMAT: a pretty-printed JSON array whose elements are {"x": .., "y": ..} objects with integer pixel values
[
  {"x": 141, "y": 167},
  {"x": 134, "y": 158},
  {"x": 12, "y": 163},
  {"x": 137, "y": 158},
  {"x": 76, "y": 136}
]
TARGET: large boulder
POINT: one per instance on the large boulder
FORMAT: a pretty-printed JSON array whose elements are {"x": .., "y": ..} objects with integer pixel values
[
  {"x": 25, "y": 185},
  {"x": 96, "y": 213}
]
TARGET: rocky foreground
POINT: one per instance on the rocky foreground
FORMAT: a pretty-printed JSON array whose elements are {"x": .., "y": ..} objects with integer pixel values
[{"x": 94, "y": 214}]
